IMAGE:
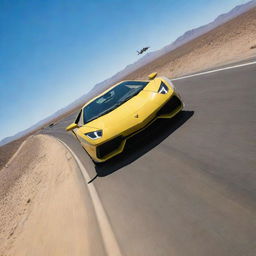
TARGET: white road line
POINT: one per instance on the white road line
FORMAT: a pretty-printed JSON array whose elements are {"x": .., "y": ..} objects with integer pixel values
[
  {"x": 215, "y": 70},
  {"x": 109, "y": 240},
  {"x": 15, "y": 154}
]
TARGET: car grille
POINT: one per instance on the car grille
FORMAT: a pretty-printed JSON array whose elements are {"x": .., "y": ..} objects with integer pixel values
[
  {"x": 112, "y": 145},
  {"x": 109, "y": 147},
  {"x": 170, "y": 106}
]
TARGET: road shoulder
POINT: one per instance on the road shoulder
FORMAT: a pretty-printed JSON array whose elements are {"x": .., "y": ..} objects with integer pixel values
[{"x": 44, "y": 204}]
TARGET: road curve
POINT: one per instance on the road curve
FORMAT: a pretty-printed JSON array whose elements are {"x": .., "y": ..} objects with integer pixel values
[{"x": 186, "y": 186}]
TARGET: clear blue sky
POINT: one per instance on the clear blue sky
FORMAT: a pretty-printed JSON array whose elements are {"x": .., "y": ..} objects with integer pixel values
[{"x": 52, "y": 52}]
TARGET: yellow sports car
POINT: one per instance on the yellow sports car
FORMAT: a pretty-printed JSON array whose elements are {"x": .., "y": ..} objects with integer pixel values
[{"x": 106, "y": 122}]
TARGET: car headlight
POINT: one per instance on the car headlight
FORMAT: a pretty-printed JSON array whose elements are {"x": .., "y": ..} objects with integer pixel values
[
  {"x": 169, "y": 82},
  {"x": 163, "y": 89},
  {"x": 94, "y": 135}
]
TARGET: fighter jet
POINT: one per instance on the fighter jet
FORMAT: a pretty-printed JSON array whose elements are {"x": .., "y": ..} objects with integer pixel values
[{"x": 143, "y": 50}]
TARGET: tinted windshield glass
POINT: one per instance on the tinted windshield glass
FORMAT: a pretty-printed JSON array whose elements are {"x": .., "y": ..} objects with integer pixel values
[{"x": 112, "y": 99}]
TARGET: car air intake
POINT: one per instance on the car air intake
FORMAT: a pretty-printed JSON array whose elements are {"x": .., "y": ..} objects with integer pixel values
[
  {"x": 170, "y": 106},
  {"x": 109, "y": 147}
]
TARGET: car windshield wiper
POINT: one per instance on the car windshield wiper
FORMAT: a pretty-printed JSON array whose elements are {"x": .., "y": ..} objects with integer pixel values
[
  {"x": 102, "y": 113},
  {"x": 120, "y": 102}
]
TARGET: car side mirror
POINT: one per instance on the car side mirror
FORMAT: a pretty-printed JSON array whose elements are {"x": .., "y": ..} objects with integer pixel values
[
  {"x": 152, "y": 76},
  {"x": 71, "y": 127}
]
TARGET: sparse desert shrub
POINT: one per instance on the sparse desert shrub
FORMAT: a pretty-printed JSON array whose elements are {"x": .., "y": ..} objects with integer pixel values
[{"x": 253, "y": 47}]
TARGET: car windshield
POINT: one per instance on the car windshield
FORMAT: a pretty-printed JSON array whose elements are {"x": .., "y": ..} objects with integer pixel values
[{"x": 112, "y": 99}]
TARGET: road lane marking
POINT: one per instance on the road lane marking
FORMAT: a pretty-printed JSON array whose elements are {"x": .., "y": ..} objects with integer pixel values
[
  {"x": 108, "y": 237},
  {"x": 15, "y": 154},
  {"x": 215, "y": 70}
]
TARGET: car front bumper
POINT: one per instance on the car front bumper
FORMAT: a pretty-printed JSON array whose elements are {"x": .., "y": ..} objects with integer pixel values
[{"x": 114, "y": 146}]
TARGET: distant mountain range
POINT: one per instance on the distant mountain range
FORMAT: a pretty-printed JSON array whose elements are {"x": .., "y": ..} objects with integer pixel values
[{"x": 186, "y": 37}]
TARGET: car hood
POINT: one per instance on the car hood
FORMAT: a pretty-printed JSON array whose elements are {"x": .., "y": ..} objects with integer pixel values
[
  {"x": 131, "y": 115},
  {"x": 128, "y": 113}
]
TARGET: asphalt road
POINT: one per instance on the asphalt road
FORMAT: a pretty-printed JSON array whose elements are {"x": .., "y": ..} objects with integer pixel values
[{"x": 186, "y": 186}]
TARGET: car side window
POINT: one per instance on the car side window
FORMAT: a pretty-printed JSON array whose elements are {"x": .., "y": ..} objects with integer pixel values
[{"x": 79, "y": 119}]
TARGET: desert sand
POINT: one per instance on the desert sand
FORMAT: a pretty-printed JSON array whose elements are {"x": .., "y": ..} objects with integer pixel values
[{"x": 43, "y": 204}]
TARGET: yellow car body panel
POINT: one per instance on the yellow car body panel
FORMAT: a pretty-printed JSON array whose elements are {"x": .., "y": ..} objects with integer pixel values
[{"x": 127, "y": 119}]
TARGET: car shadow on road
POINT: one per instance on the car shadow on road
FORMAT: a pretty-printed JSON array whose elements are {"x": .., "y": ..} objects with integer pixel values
[{"x": 143, "y": 142}]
